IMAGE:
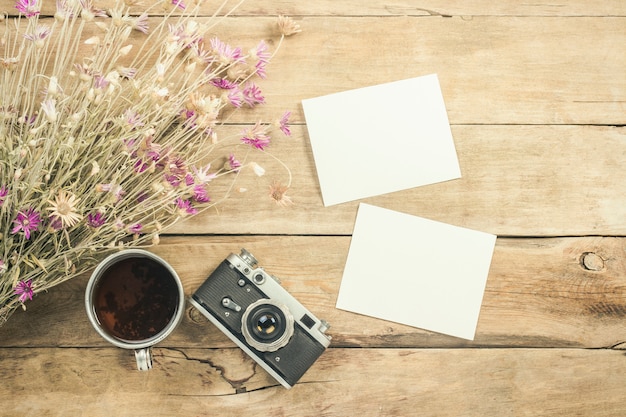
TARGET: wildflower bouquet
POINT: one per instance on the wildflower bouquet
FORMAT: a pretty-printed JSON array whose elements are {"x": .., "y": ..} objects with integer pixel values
[{"x": 107, "y": 151}]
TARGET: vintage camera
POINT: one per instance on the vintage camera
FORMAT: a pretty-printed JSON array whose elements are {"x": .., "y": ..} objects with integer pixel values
[{"x": 261, "y": 317}]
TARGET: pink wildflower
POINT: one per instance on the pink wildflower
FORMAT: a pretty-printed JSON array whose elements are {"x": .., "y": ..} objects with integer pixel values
[
  {"x": 235, "y": 98},
  {"x": 202, "y": 174},
  {"x": 27, "y": 7},
  {"x": 180, "y": 4},
  {"x": 100, "y": 82},
  {"x": 141, "y": 23},
  {"x": 133, "y": 118},
  {"x": 283, "y": 123},
  {"x": 172, "y": 180},
  {"x": 223, "y": 83},
  {"x": 261, "y": 53},
  {"x": 185, "y": 208},
  {"x": 64, "y": 10},
  {"x": 24, "y": 289},
  {"x": 27, "y": 221},
  {"x": 234, "y": 163},
  {"x": 252, "y": 95},
  {"x": 226, "y": 53},
  {"x": 135, "y": 228},
  {"x": 88, "y": 9},
  {"x": 256, "y": 136},
  {"x": 200, "y": 194},
  {"x": 40, "y": 33}
]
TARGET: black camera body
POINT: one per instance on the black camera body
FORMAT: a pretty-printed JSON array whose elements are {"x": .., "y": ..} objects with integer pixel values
[{"x": 262, "y": 318}]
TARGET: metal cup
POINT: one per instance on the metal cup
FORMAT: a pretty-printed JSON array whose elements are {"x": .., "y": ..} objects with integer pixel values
[{"x": 134, "y": 299}]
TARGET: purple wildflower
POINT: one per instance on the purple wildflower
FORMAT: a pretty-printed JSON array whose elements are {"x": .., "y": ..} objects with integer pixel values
[
  {"x": 27, "y": 221},
  {"x": 96, "y": 219},
  {"x": 189, "y": 180},
  {"x": 24, "y": 289},
  {"x": 55, "y": 224}
]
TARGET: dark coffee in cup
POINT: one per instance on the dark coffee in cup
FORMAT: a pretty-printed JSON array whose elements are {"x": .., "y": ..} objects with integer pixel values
[{"x": 135, "y": 298}]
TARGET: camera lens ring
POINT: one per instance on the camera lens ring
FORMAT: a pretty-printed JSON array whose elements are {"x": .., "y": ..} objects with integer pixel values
[{"x": 267, "y": 325}]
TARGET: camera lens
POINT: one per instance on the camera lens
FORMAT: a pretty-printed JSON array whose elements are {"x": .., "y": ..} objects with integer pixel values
[{"x": 267, "y": 325}]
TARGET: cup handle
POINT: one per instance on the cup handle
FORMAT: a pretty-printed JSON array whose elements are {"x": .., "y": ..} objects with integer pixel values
[{"x": 144, "y": 358}]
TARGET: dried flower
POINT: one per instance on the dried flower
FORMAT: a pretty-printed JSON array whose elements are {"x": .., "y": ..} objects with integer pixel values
[
  {"x": 27, "y": 7},
  {"x": 252, "y": 95},
  {"x": 25, "y": 290},
  {"x": 185, "y": 207},
  {"x": 283, "y": 125},
  {"x": 135, "y": 228},
  {"x": 233, "y": 164},
  {"x": 39, "y": 34},
  {"x": 106, "y": 150},
  {"x": 287, "y": 26},
  {"x": 49, "y": 109},
  {"x": 3, "y": 194},
  {"x": 278, "y": 194},
  {"x": 256, "y": 136},
  {"x": 26, "y": 221},
  {"x": 64, "y": 208},
  {"x": 96, "y": 220}
]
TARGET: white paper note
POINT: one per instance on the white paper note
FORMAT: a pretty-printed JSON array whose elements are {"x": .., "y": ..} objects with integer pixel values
[
  {"x": 380, "y": 139},
  {"x": 416, "y": 271}
]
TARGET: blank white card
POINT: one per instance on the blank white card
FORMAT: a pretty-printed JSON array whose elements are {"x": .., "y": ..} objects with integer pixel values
[
  {"x": 380, "y": 139},
  {"x": 416, "y": 271}
]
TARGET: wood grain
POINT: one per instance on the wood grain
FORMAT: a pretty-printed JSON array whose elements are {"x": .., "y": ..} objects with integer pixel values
[
  {"x": 492, "y": 70},
  {"x": 367, "y": 382},
  {"x": 539, "y": 293},
  {"x": 536, "y": 96},
  {"x": 443, "y": 8},
  {"x": 503, "y": 190}
]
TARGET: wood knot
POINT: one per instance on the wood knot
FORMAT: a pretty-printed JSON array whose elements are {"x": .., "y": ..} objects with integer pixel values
[
  {"x": 196, "y": 316},
  {"x": 591, "y": 262}
]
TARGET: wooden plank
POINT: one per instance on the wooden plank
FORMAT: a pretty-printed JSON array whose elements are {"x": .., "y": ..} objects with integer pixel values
[
  {"x": 398, "y": 7},
  {"x": 562, "y": 292},
  {"x": 516, "y": 180},
  {"x": 367, "y": 382},
  {"x": 492, "y": 70}
]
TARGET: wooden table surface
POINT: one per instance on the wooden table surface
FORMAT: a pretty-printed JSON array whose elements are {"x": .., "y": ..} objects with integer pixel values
[{"x": 536, "y": 98}]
